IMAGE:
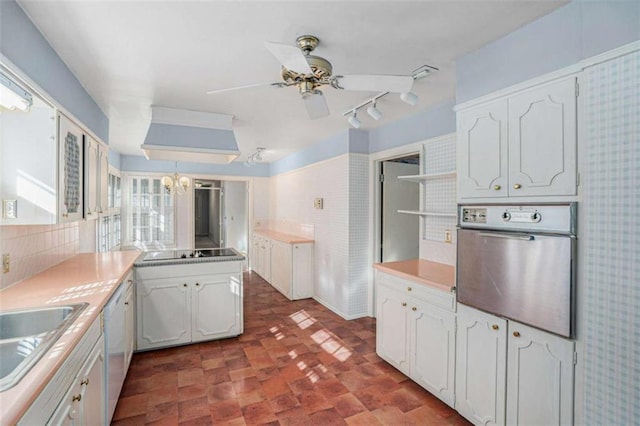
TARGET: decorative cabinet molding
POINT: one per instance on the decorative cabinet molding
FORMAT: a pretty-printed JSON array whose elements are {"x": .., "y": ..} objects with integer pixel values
[{"x": 521, "y": 145}]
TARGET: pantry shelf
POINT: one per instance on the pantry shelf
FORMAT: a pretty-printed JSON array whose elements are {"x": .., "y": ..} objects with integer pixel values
[{"x": 428, "y": 176}]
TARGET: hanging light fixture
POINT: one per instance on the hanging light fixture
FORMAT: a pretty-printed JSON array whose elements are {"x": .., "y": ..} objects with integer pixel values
[{"x": 176, "y": 184}]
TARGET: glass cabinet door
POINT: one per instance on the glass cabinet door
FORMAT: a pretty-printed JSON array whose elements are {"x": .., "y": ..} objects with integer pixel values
[{"x": 70, "y": 170}]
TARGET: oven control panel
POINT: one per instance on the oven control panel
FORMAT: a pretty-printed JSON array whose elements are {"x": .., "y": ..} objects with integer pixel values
[{"x": 474, "y": 215}]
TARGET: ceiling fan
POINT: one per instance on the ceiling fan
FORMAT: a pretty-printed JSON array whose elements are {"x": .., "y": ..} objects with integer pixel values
[{"x": 309, "y": 72}]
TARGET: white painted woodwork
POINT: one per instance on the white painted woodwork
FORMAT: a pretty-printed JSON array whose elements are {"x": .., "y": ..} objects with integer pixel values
[
  {"x": 281, "y": 271},
  {"x": 216, "y": 307},
  {"x": 482, "y": 151},
  {"x": 481, "y": 366},
  {"x": 91, "y": 177},
  {"x": 540, "y": 377},
  {"x": 302, "y": 271},
  {"x": 68, "y": 411},
  {"x": 129, "y": 321},
  {"x": 524, "y": 144},
  {"x": 392, "y": 343},
  {"x": 432, "y": 340},
  {"x": 67, "y": 214},
  {"x": 92, "y": 387},
  {"x": 103, "y": 187},
  {"x": 416, "y": 332},
  {"x": 164, "y": 312},
  {"x": 542, "y": 140}
]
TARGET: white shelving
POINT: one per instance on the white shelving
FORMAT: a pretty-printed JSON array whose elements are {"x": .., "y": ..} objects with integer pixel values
[
  {"x": 428, "y": 213},
  {"x": 429, "y": 176}
]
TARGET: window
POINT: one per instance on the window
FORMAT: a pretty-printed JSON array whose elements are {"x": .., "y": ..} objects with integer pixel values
[
  {"x": 151, "y": 213},
  {"x": 109, "y": 233},
  {"x": 114, "y": 194}
]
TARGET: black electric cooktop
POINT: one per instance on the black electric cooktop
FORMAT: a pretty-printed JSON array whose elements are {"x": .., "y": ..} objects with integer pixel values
[{"x": 188, "y": 254}]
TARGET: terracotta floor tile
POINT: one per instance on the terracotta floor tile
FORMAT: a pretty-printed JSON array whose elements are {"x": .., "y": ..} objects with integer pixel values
[{"x": 297, "y": 363}]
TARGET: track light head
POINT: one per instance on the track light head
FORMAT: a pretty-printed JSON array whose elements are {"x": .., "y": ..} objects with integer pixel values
[
  {"x": 409, "y": 98},
  {"x": 374, "y": 112},
  {"x": 353, "y": 120}
]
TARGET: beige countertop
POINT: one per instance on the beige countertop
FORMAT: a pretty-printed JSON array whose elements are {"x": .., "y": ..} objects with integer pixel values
[
  {"x": 285, "y": 238},
  {"x": 433, "y": 274},
  {"x": 89, "y": 277}
]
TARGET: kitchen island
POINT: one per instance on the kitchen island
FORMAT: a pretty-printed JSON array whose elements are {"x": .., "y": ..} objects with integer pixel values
[{"x": 186, "y": 296}]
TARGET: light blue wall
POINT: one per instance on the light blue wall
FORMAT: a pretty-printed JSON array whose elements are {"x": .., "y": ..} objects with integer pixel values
[
  {"x": 569, "y": 34},
  {"x": 191, "y": 137},
  {"x": 114, "y": 159},
  {"x": 135, "y": 163},
  {"x": 22, "y": 44}
]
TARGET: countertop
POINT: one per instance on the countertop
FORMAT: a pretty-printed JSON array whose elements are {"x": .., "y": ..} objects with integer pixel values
[
  {"x": 433, "y": 274},
  {"x": 89, "y": 277},
  {"x": 141, "y": 263},
  {"x": 281, "y": 236}
]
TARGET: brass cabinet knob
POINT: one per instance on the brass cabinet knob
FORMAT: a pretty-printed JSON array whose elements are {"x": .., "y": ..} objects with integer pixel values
[
  {"x": 516, "y": 334},
  {"x": 409, "y": 289},
  {"x": 414, "y": 309},
  {"x": 517, "y": 186},
  {"x": 85, "y": 382},
  {"x": 130, "y": 281},
  {"x": 495, "y": 326},
  {"x": 197, "y": 284},
  {"x": 76, "y": 398},
  {"x": 404, "y": 303},
  {"x": 184, "y": 285},
  {"x": 497, "y": 187},
  {"x": 65, "y": 214},
  {"x": 126, "y": 303}
]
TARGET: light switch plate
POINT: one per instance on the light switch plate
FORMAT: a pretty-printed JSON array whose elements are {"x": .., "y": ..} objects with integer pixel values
[
  {"x": 6, "y": 263},
  {"x": 317, "y": 203},
  {"x": 10, "y": 209}
]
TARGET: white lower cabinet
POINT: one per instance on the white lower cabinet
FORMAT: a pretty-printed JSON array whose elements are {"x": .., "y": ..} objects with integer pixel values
[
  {"x": 415, "y": 332},
  {"x": 129, "y": 321},
  {"x": 510, "y": 373},
  {"x": 292, "y": 269},
  {"x": 75, "y": 395},
  {"x": 198, "y": 302}
]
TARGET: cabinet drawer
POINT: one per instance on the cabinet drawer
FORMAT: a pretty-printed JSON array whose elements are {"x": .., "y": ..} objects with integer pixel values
[{"x": 442, "y": 299}]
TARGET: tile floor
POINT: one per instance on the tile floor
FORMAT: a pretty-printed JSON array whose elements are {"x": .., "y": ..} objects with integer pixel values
[{"x": 297, "y": 363}]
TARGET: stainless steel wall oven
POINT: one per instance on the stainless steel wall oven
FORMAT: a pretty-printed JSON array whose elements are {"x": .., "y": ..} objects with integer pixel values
[{"x": 518, "y": 262}]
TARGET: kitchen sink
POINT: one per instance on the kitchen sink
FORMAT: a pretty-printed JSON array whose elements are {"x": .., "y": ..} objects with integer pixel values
[{"x": 27, "y": 334}]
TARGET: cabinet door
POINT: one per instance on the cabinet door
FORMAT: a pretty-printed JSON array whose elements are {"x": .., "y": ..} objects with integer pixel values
[
  {"x": 129, "y": 324},
  {"x": 92, "y": 387},
  {"x": 540, "y": 377},
  {"x": 68, "y": 411},
  {"x": 268, "y": 245},
  {"x": 70, "y": 180},
  {"x": 281, "y": 273},
  {"x": 103, "y": 181},
  {"x": 480, "y": 366},
  {"x": 391, "y": 327},
  {"x": 432, "y": 349},
  {"x": 164, "y": 313},
  {"x": 215, "y": 305},
  {"x": 91, "y": 177},
  {"x": 482, "y": 151},
  {"x": 303, "y": 272},
  {"x": 543, "y": 140}
]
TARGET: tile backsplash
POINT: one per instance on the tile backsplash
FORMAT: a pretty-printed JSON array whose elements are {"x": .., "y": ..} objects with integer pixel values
[{"x": 34, "y": 248}]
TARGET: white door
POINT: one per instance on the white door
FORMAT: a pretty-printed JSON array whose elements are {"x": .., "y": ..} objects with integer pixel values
[
  {"x": 481, "y": 350},
  {"x": 391, "y": 328},
  {"x": 235, "y": 215},
  {"x": 399, "y": 231},
  {"x": 215, "y": 307},
  {"x": 103, "y": 190},
  {"x": 432, "y": 349},
  {"x": 483, "y": 151},
  {"x": 540, "y": 377},
  {"x": 164, "y": 313},
  {"x": 91, "y": 177},
  {"x": 129, "y": 326},
  {"x": 542, "y": 140},
  {"x": 281, "y": 274},
  {"x": 302, "y": 271},
  {"x": 92, "y": 387},
  {"x": 70, "y": 180}
]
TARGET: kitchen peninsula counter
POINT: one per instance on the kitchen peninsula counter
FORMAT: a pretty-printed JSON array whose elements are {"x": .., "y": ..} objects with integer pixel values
[
  {"x": 283, "y": 237},
  {"x": 88, "y": 277},
  {"x": 433, "y": 274}
]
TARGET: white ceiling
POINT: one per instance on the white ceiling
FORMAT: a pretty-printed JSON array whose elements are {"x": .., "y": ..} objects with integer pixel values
[{"x": 130, "y": 55}]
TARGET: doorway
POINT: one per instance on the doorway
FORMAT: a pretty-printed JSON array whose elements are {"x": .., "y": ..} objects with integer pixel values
[
  {"x": 220, "y": 214},
  {"x": 399, "y": 232}
]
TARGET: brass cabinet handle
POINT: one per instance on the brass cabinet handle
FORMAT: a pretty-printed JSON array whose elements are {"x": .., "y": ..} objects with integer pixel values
[
  {"x": 184, "y": 285},
  {"x": 409, "y": 289},
  {"x": 414, "y": 309},
  {"x": 76, "y": 398},
  {"x": 495, "y": 326},
  {"x": 517, "y": 186},
  {"x": 85, "y": 382},
  {"x": 497, "y": 187},
  {"x": 130, "y": 281},
  {"x": 516, "y": 334},
  {"x": 89, "y": 212},
  {"x": 126, "y": 303},
  {"x": 197, "y": 284},
  {"x": 65, "y": 214},
  {"x": 404, "y": 303}
]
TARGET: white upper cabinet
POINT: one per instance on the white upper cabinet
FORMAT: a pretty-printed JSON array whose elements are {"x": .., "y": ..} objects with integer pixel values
[
  {"x": 91, "y": 177},
  {"x": 70, "y": 168},
  {"x": 521, "y": 145}
]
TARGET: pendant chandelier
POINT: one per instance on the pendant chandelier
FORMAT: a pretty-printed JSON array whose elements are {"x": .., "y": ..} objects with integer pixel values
[{"x": 176, "y": 184}]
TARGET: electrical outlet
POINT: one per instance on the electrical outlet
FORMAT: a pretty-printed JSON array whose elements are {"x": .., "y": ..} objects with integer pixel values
[
  {"x": 6, "y": 263},
  {"x": 447, "y": 236}
]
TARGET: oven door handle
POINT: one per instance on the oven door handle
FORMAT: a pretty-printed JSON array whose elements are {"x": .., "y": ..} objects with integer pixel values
[{"x": 507, "y": 236}]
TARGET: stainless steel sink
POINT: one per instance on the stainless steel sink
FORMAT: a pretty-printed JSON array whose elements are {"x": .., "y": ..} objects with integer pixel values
[{"x": 27, "y": 334}]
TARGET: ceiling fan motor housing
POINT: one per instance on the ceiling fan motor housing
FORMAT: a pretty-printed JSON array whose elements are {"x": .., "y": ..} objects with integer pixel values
[{"x": 320, "y": 67}]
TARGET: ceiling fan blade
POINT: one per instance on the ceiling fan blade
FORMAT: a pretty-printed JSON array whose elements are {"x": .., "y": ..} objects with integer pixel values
[
  {"x": 316, "y": 105},
  {"x": 290, "y": 57},
  {"x": 248, "y": 86},
  {"x": 377, "y": 83}
]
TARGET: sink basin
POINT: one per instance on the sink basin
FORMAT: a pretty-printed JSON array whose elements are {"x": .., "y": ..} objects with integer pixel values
[{"x": 27, "y": 334}]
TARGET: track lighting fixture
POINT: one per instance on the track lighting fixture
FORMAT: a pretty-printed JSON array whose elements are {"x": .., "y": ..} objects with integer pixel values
[
  {"x": 409, "y": 98},
  {"x": 256, "y": 157},
  {"x": 353, "y": 120}
]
